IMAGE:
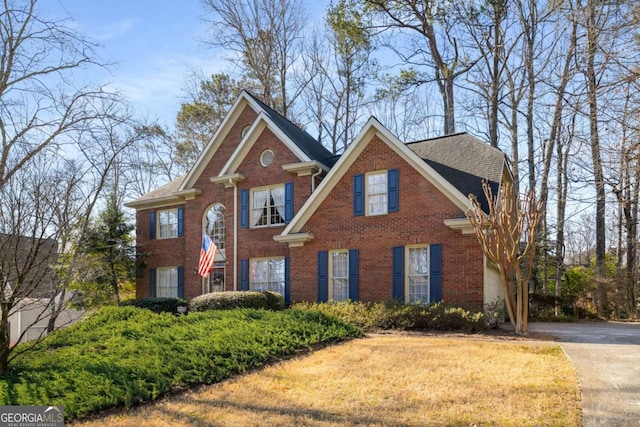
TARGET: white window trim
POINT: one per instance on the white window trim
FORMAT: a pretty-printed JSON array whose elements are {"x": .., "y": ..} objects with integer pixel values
[
  {"x": 159, "y": 224},
  {"x": 251, "y": 208},
  {"x": 407, "y": 271},
  {"x": 171, "y": 286},
  {"x": 367, "y": 195},
  {"x": 220, "y": 244},
  {"x": 332, "y": 277},
  {"x": 251, "y": 281}
]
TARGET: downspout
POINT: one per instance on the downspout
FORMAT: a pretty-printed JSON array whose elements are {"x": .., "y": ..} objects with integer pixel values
[
  {"x": 313, "y": 179},
  {"x": 235, "y": 235}
]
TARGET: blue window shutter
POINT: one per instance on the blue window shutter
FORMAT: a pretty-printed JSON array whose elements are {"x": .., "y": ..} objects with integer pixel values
[
  {"x": 152, "y": 282},
  {"x": 180, "y": 282},
  {"x": 354, "y": 267},
  {"x": 358, "y": 195},
  {"x": 244, "y": 274},
  {"x": 398, "y": 273},
  {"x": 393, "y": 190},
  {"x": 435, "y": 275},
  {"x": 152, "y": 225},
  {"x": 244, "y": 208},
  {"x": 323, "y": 271},
  {"x": 181, "y": 222},
  {"x": 287, "y": 281},
  {"x": 288, "y": 202}
]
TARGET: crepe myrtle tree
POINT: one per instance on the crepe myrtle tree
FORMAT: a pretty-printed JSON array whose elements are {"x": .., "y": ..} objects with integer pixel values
[{"x": 507, "y": 237}]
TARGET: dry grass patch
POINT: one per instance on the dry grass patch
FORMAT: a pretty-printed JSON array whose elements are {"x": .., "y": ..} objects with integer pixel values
[{"x": 387, "y": 380}]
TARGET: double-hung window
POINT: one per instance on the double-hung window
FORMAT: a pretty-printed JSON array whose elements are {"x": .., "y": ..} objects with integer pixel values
[
  {"x": 168, "y": 223},
  {"x": 376, "y": 202},
  {"x": 376, "y": 193},
  {"x": 167, "y": 282},
  {"x": 267, "y": 274},
  {"x": 268, "y": 206},
  {"x": 417, "y": 274},
  {"x": 339, "y": 275}
]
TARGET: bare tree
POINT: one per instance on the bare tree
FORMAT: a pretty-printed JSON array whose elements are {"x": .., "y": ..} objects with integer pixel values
[
  {"x": 432, "y": 28},
  {"x": 339, "y": 69},
  {"x": 627, "y": 190},
  {"x": 59, "y": 143},
  {"x": 265, "y": 36},
  {"x": 606, "y": 26},
  {"x": 500, "y": 233}
]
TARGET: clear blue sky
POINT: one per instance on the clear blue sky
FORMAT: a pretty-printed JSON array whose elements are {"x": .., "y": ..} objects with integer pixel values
[{"x": 153, "y": 45}]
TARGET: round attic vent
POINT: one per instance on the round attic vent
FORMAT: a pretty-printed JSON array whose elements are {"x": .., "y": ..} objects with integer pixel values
[
  {"x": 266, "y": 158},
  {"x": 245, "y": 130}
]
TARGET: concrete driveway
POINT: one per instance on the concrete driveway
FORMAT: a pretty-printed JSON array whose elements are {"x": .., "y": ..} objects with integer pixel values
[{"x": 606, "y": 357}]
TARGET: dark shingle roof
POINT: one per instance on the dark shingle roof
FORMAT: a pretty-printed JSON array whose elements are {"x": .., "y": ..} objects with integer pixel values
[
  {"x": 308, "y": 144},
  {"x": 464, "y": 161},
  {"x": 465, "y": 182},
  {"x": 463, "y": 152}
]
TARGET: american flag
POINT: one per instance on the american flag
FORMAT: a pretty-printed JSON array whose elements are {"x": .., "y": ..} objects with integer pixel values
[{"x": 207, "y": 256}]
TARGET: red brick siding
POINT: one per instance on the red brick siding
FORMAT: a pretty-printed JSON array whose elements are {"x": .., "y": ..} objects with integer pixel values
[
  {"x": 258, "y": 242},
  {"x": 252, "y": 243},
  {"x": 185, "y": 251},
  {"x": 161, "y": 252},
  {"x": 419, "y": 221}
]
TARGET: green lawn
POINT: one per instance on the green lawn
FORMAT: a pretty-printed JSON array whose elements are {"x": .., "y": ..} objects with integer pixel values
[{"x": 125, "y": 355}]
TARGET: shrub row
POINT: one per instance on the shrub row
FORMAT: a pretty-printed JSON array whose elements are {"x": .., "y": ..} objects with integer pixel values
[
  {"x": 242, "y": 299},
  {"x": 394, "y": 315},
  {"x": 157, "y": 305},
  {"x": 123, "y": 355}
]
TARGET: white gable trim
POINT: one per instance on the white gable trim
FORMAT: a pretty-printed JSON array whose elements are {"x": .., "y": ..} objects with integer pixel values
[
  {"x": 371, "y": 129},
  {"x": 216, "y": 140},
  {"x": 261, "y": 123}
]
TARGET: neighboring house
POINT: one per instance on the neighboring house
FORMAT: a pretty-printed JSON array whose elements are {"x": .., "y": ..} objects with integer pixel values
[
  {"x": 36, "y": 292},
  {"x": 386, "y": 220}
]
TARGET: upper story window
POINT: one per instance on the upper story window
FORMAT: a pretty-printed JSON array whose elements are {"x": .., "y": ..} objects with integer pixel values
[
  {"x": 214, "y": 224},
  {"x": 168, "y": 223},
  {"x": 376, "y": 193},
  {"x": 267, "y": 206}
]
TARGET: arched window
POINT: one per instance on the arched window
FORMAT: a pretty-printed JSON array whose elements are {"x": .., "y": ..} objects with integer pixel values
[{"x": 214, "y": 226}]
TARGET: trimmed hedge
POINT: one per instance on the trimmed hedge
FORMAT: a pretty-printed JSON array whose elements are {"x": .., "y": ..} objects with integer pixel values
[
  {"x": 157, "y": 305},
  {"x": 121, "y": 356},
  {"x": 395, "y": 315},
  {"x": 239, "y": 299}
]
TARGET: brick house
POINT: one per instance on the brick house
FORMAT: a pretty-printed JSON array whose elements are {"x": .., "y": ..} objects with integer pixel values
[{"x": 383, "y": 221}]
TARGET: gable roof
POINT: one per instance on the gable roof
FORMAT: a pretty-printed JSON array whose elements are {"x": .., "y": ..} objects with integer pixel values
[
  {"x": 262, "y": 122},
  {"x": 164, "y": 195},
  {"x": 464, "y": 161},
  {"x": 466, "y": 182},
  {"x": 373, "y": 128},
  {"x": 463, "y": 152},
  {"x": 308, "y": 144},
  {"x": 300, "y": 142}
]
